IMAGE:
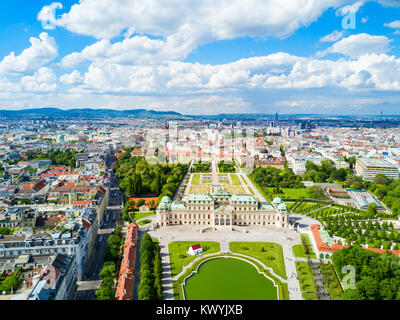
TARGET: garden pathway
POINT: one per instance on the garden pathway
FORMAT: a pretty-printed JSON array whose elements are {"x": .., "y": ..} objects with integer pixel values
[
  {"x": 319, "y": 284},
  {"x": 183, "y": 184},
  {"x": 167, "y": 281}
]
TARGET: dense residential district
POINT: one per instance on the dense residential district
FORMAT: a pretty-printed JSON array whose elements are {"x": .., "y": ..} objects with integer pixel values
[{"x": 147, "y": 208}]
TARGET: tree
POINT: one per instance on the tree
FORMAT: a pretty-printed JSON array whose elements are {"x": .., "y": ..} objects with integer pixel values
[
  {"x": 372, "y": 209},
  {"x": 140, "y": 202},
  {"x": 380, "y": 178},
  {"x": 108, "y": 270},
  {"x": 145, "y": 292},
  {"x": 104, "y": 293},
  {"x": 368, "y": 287},
  {"x": 152, "y": 204},
  {"x": 339, "y": 175},
  {"x": 12, "y": 282}
]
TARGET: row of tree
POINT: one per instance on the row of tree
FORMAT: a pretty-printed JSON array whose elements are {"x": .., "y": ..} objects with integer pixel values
[
  {"x": 150, "y": 287},
  {"x": 57, "y": 157},
  {"x": 201, "y": 167},
  {"x": 373, "y": 234},
  {"x": 112, "y": 254},
  {"x": 107, "y": 274},
  {"x": 273, "y": 177},
  {"x": 226, "y": 166},
  {"x": 112, "y": 251},
  {"x": 387, "y": 190},
  {"x": 138, "y": 177},
  {"x": 377, "y": 275},
  {"x": 326, "y": 172}
]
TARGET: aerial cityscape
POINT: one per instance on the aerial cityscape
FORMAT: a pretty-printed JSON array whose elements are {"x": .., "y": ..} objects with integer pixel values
[{"x": 226, "y": 150}]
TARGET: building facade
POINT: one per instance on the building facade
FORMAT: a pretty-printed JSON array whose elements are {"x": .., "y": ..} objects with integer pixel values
[
  {"x": 222, "y": 210},
  {"x": 368, "y": 168},
  {"x": 79, "y": 240}
]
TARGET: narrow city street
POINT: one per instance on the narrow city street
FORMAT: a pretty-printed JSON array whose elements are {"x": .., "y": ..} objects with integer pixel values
[{"x": 90, "y": 283}]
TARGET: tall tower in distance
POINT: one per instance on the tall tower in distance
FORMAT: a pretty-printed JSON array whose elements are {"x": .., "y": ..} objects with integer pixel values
[{"x": 276, "y": 116}]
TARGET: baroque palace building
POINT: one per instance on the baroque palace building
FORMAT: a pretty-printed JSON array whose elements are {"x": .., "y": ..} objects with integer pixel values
[{"x": 222, "y": 210}]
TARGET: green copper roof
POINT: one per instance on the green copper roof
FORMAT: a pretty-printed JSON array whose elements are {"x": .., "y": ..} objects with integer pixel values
[
  {"x": 277, "y": 200},
  {"x": 163, "y": 206},
  {"x": 223, "y": 193},
  {"x": 243, "y": 198},
  {"x": 178, "y": 205},
  {"x": 326, "y": 238},
  {"x": 164, "y": 203},
  {"x": 282, "y": 207},
  {"x": 165, "y": 199},
  {"x": 266, "y": 206},
  {"x": 200, "y": 198}
]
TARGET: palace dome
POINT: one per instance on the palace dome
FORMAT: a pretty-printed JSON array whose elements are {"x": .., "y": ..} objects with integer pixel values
[{"x": 277, "y": 200}]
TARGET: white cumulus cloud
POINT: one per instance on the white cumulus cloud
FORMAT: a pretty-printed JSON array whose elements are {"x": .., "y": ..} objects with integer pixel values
[
  {"x": 43, "y": 80},
  {"x": 71, "y": 78},
  {"x": 359, "y": 44},
  {"x": 42, "y": 50},
  {"x": 333, "y": 37}
]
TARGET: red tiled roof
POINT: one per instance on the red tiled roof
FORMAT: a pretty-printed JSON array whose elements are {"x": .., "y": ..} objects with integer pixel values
[
  {"x": 336, "y": 247},
  {"x": 338, "y": 191},
  {"x": 322, "y": 246},
  {"x": 82, "y": 203},
  {"x": 395, "y": 252},
  {"x": 196, "y": 246},
  {"x": 125, "y": 281},
  {"x": 86, "y": 223}
]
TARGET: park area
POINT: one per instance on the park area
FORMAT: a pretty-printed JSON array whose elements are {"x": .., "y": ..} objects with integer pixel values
[
  {"x": 304, "y": 250},
  {"x": 306, "y": 281},
  {"x": 196, "y": 179},
  {"x": 179, "y": 257},
  {"x": 230, "y": 182},
  {"x": 235, "y": 179},
  {"x": 271, "y": 254},
  {"x": 229, "y": 279},
  {"x": 289, "y": 193},
  {"x": 200, "y": 189},
  {"x": 234, "y": 189}
]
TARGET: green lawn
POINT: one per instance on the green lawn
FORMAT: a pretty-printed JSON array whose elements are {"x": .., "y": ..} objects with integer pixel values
[
  {"x": 331, "y": 282},
  {"x": 306, "y": 281},
  {"x": 144, "y": 222},
  {"x": 235, "y": 179},
  {"x": 269, "y": 253},
  {"x": 298, "y": 249},
  {"x": 258, "y": 187},
  {"x": 229, "y": 279},
  {"x": 179, "y": 257},
  {"x": 196, "y": 179},
  {"x": 140, "y": 215},
  {"x": 291, "y": 193},
  {"x": 226, "y": 181}
]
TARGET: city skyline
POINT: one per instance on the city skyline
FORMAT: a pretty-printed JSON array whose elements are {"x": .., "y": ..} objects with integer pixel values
[{"x": 295, "y": 59}]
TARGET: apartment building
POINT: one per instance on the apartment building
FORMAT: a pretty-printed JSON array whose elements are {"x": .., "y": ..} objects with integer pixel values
[{"x": 368, "y": 168}]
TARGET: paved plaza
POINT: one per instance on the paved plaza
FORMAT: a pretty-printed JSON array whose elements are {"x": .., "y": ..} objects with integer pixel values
[{"x": 286, "y": 238}]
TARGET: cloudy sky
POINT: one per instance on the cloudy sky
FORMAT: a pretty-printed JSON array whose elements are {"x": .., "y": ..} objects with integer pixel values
[{"x": 202, "y": 57}]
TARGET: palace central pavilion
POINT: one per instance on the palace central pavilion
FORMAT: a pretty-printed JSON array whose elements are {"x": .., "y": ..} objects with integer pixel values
[{"x": 222, "y": 209}]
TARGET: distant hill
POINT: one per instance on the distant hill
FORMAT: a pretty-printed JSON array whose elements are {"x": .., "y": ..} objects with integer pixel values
[{"x": 89, "y": 113}]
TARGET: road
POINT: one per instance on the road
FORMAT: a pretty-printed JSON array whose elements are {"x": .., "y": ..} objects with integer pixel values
[
  {"x": 87, "y": 287},
  {"x": 183, "y": 183}
]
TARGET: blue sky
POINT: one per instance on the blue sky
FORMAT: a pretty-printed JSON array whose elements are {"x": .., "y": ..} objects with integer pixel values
[{"x": 214, "y": 57}]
